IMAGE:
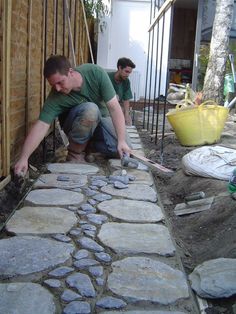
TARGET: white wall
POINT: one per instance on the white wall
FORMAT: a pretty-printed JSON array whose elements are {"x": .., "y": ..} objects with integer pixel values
[{"x": 126, "y": 35}]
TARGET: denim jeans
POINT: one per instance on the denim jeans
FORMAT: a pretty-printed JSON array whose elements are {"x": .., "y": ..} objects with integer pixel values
[{"x": 84, "y": 123}]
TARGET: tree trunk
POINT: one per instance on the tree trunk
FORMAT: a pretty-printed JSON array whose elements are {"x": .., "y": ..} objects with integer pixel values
[{"x": 214, "y": 78}]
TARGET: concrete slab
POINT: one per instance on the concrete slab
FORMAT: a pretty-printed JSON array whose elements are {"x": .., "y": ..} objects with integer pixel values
[
  {"x": 140, "y": 192},
  {"x": 72, "y": 168},
  {"x": 145, "y": 279},
  {"x": 132, "y": 211},
  {"x": 51, "y": 180},
  {"x": 26, "y": 255},
  {"x": 26, "y": 298},
  {"x": 54, "y": 197},
  {"x": 127, "y": 238},
  {"x": 41, "y": 221}
]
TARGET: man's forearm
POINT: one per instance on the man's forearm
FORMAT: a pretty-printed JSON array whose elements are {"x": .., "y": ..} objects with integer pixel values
[
  {"x": 117, "y": 119},
  {"x": 35, "y": 136}
]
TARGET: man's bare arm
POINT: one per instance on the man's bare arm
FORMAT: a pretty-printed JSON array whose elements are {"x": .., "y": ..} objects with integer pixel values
[
  {"x": 32, "y": 141},
  {"x": 128, "y": 120},
  {"x": 119, "y": 124}
]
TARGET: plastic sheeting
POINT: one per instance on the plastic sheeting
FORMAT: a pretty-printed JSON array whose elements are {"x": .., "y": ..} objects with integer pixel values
[{"x": 210, "y": 161}]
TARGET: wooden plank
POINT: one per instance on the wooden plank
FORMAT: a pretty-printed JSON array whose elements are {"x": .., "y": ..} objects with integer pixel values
[
  {"x": 150, "y": 163},
  {"x": 193, "y": 206},
  {"x": 29, "y": 31},
  {"x": 87, "y": 31},
  {"x": 5, "y": 181},
  {"x": 6, "y": 63}
]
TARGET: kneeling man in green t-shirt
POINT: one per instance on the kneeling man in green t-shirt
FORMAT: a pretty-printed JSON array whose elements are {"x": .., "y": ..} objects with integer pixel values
[{"x": 86, "y": 104}]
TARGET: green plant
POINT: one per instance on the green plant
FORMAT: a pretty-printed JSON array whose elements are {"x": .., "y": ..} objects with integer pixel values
[{"x": 96, "y": 8}]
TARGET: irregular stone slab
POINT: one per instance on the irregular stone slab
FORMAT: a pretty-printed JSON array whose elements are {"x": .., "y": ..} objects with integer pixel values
[
  {"x": 26, "y": 298},
  {"x": 135, "y": 191},
  {"x": 90, "y": 244},
  {"x": 69, "y": 295},
  {"x": 136, "y": 141},
  {"x": 145, "y": 279},
  {"x": 215, "y": 278},
  {"x": 24, "y": 255},
  {"x": 128, "y": 238},
  {"x": 133, "y": 135},
  {"x": 54, "y": 197},
  {"x": 70, "y": 168},
  {"x": 141, "y": 177},
  {"x": 61, "y": 271},
  {"x": 52, "y": 283},
  {"x": 143, "y": 312},
  {"x": 137, "y": 146},
  {"x": 132, "y": 211},
  {"x": 82, "y": 283},
  {"x": 110, "y": 303},
  {"x": 51, "y": 180},
  {"x": 41, "y": 220},
  {"x": 77, "y": 307}
]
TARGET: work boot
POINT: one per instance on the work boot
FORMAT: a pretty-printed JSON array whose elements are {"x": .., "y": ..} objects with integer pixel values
[{"x": 75, "y": 157}]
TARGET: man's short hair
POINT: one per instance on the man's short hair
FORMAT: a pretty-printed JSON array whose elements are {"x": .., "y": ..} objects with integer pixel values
[
  {"x": 125, "y": 62},
  {"x": 56, "y": 63}
]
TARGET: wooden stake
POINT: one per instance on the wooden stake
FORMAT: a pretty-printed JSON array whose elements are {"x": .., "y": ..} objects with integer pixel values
[{"x": 6, "y": 63}]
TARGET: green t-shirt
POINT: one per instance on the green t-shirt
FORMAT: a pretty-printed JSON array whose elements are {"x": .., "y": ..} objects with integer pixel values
[
  {"x": 96, "y": 88},
  {"x": 122, "y": 89}
]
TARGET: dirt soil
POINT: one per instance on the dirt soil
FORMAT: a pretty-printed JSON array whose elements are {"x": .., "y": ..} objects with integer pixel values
[{"x": 204, "y": 235}]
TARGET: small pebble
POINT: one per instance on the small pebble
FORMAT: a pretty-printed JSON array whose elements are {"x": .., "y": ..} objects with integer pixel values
[
  {"x": 75, "y": 232},
  {"x": 61, "y": 237},
  {"x": 103, "y": 257},
  {"x": 100, "y": 197},
  {"x": 120, "y": 185},
  {"x": 77, "y": 307},
  {"x": 52, "y": 283},
  {"x": 69, "y": 295},
  {"x": 81, "y": 254},
  {"x": 61, "y": 271}
]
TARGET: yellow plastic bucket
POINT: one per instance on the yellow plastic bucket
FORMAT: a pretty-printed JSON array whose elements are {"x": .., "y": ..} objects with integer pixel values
[{"x": 198, "y": 125}]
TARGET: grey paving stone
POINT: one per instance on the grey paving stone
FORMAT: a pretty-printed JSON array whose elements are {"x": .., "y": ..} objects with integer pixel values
[
  {"x": 85, "y": 263},
  {"x": 135, "y": 191},
  {"x": 135, "y": 141},
  {"x": 77, "y": 307},
  {"x": 129, "y": 238},
  {"x": 69, "y": 295},
  {"x": 133, "y": 135},
  {"x": 51, "y": 180},
  {"x": 100, "y": 281},
  {"x": 52, "y": 283},
  {"x": 75, "y": 232},
  {"x": 82, "y": 283},
  {"x": 25, "y": 298},
  {"x": 97, "y": 218},
  {"x": 145, "y": 279},
  {"x": 215, "y": 278},
  {"x": 101, "y": 197},
  {"x": 132, "y": 211},
  {"x": 53, "y": 197},
  {"x": 136, "y": 146},
  {"x": 143, "y": 312},
  {"x": 88, "y": 208},
  {"x": 61, "y": 271},
  {"x": 141, "y": 177},
  {"x": 96, "y": 271},
  {"x": 90, "y": 244},
  {"x": 110, "y": 303},
  {"x": 103, "y": 257},
  {"x": 41, "y": 220},
  {"x": 24, "y": 255},
  {"x": 70, "y": 168},
  {"x": 61, "y": 237},
  {"x": 81, "y": 254}
]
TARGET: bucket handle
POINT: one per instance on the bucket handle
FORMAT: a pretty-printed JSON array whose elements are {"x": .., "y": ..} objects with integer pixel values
[{"x": 207, "y": 102}]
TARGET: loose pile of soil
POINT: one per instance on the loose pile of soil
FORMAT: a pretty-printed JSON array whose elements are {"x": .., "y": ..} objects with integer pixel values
[{"x": 204, "y": 235}]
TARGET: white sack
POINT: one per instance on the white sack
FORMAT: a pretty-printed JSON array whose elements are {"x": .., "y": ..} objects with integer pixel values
[{"x": 210, "y": 161}]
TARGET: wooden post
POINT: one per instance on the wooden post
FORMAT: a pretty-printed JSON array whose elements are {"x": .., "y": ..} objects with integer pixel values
[
  {"x": 6, "y": 63},
  {"x": 87, "y": 31},
  {"x": 28, "y": 66}
]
